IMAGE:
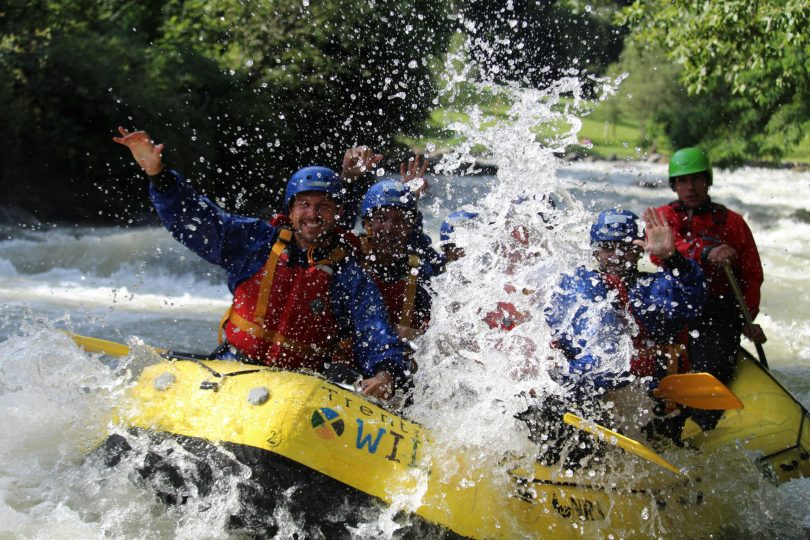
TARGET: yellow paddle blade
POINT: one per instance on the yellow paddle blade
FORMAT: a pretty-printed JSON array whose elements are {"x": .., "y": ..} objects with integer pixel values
[
  {"x": 629, "y": 445},
  {"x": 111, "y": 348},
  {"x": 697, "y": 390},
  {"x": 96, "y": 345}
]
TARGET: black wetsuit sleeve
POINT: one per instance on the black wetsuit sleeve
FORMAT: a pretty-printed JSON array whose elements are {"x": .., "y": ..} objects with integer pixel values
[
  {"x": 678, "y": 262},
  {"x": 163, "y": 181}
]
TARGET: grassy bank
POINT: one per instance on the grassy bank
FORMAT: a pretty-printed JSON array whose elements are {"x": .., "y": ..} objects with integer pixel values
[{"x": 609, "y": 137}]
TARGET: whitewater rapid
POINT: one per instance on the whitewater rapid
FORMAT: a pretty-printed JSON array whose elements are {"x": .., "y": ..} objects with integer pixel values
[{"x": 137, "y": 285}]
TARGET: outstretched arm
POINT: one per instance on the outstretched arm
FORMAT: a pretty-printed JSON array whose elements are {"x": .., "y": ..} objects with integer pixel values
[{"x": 144, "y": 150}]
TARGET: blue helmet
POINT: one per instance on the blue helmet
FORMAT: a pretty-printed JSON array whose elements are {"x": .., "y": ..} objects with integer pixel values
[
  {"x": 615, "y": 226},
  {"x": 388, "y": 192},
  {"x": 313, "y": 179},
  {"x": 448, "y": 226}
]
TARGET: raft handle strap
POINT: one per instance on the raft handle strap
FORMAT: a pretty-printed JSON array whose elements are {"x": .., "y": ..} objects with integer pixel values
[{"x": 214, "y": 372}]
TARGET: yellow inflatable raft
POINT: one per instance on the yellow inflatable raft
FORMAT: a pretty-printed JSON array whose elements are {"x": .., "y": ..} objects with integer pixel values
[
  {"x": 311, "y": 428},
  {"x": 772, "y": 423}
]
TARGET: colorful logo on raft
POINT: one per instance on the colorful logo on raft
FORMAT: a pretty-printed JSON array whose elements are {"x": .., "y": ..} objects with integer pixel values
[
  {"x": 378, "y": 434},
  {"x": 327, "y": 423}
]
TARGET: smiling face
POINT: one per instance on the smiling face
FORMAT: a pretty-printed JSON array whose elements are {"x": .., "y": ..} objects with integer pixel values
[
  {"x": 692, "y": 189},
  {"x": 314, "y": 216},
  {"x": 618, "y": 258},
  {"x": 388, "y": 229}
]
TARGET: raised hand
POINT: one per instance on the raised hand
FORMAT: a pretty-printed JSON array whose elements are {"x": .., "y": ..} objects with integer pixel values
[
  {"x": 413, "y": 174},
  {"x": 359, "y": 160},
  {"x": 144, "y": 150},
  {"x": 659, "y": 240}
]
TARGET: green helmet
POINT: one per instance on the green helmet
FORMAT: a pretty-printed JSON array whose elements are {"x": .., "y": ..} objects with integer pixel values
[{"x": 689, "y": 161}]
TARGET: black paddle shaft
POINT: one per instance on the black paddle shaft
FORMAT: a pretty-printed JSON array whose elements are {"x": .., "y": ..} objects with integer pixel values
[{"x": 749, "y": 321}]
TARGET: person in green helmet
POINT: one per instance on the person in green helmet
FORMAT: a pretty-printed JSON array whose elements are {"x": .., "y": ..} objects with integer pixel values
[{"x": 713, "y": 236}]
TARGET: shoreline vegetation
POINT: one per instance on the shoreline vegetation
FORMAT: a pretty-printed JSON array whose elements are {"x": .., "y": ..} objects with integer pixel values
[
  {"x": 603, "y": 137},
  {"x": 243, "y": 92}
]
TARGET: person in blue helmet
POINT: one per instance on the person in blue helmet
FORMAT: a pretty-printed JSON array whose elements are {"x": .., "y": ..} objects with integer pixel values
[
  {"x": 301, "y": 299},
  {"x": 389, "y": 218},
  {"x": 593, "y": 310},
  {"x": 449, "y": 248},
  {"x": 358, "y": 164}
]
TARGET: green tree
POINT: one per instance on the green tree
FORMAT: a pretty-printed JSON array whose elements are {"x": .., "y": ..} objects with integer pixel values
[
  {"x": 319, "y": 75},
  {"x": 749, "y": 59},
  {"x": 537, "y": 43},
  {"x": 242, "y": 92}
]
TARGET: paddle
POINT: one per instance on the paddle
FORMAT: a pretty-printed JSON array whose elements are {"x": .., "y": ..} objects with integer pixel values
[
  {"x": 697, "y": 390},
  {"x": 749, "y": 321},
  {"x": 111, "y": 348},
  {"x": 625, "y": 443}
]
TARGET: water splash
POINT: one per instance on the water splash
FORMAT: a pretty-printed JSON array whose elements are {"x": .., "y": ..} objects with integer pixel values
[{"x": 474, "y": 379}]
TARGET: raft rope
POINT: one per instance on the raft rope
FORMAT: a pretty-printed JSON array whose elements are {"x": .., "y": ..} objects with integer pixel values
[{"x": 211, "y": 385}]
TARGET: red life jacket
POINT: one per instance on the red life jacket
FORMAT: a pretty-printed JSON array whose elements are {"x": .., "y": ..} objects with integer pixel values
[
  {"x": 506, "y": 316},
  {"x": 650, "y": 359},
  {"x": 711, "y": 225},
  {"x": 399, "y": 296},
  {"x": 282, "y": 315}
]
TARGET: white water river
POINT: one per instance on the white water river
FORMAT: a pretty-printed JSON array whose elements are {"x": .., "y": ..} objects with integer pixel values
[{"x": 120, "y": 284}]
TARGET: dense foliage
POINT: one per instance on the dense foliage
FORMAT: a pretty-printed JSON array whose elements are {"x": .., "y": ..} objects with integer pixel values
[
  {"x": 746, "y": 64},
  {"x": 242, "y": 92},
  {"x": 536, "y": 43},
  {"x": 245, "y": 91}
]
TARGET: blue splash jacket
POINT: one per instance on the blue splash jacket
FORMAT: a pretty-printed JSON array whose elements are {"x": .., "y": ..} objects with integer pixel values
[
  {"x": 241, "y": 245},
  {"x": 588, "y": 327}
]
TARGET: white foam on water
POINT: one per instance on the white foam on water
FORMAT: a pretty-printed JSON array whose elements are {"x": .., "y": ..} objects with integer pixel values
[
  {"x": 57, "y": 403},
  {"x": 473, "y": 379},
  {"x": 55, "y": 400}
]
